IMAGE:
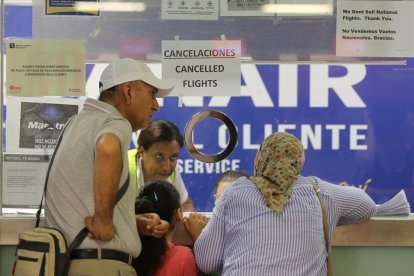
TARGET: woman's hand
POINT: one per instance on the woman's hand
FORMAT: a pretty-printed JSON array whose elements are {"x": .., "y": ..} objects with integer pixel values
[
  {"x": 150, "y": 224},
  {"x": 194, "y": 224}
]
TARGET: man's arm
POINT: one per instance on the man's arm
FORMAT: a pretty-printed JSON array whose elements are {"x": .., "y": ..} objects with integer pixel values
[
  {"x": 209, "y": 245},
  {"x": 107, "y": 174}
]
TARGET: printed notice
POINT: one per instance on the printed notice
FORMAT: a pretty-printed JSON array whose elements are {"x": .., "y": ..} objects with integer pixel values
[
  {"x": 202, "y": 68},
  {"x": 23, "y": 179},
  {"x": 45, "y": 68},
  {"x": 375, "y": 29},
  {"x": 69, "y": 7},
  {"x": 245, "y": 7},
  {"x": 190, "y": 9},
  {"x": 41, "y": 122}
]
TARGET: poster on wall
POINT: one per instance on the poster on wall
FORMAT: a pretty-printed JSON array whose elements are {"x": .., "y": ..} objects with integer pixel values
[
  {"x": 45, "y": 67},
  {"x": 244, "y": 8},
  {"x": 71, "y": 7},
  {"x": 375, "y": 29},
  {"x": 202, "y": 67},
  {"x": 34, "y": 124},
  {"x": 23, "y": 179},
  {"x": 189, "y": 10}
]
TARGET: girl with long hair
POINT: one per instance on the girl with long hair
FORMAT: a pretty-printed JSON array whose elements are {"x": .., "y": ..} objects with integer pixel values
[{"x": 159, "y": 256}]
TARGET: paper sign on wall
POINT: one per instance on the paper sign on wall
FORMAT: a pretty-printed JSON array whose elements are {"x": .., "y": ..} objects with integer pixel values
[
  {"x": 23, "y": 179},
  {"x": 202, "y": 68},
  {"x": 70, "y": 7},
  {"x": 375, "y": 29},
  {"x": 190, "y": 10},
  {"x": 34, "y": 124},
  {"x": 45, "y": 68},
  {"x": 245, "y": 8}
]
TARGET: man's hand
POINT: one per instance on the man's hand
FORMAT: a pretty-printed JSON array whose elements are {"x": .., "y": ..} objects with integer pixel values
[
  {"x": 150, "y": 224},
  {"x": 194, "y": 224},
  {"x": 100, "y": 230}
]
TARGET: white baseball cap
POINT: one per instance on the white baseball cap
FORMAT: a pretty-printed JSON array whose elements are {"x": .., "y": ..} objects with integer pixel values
[{"x": 128, "y": 69}]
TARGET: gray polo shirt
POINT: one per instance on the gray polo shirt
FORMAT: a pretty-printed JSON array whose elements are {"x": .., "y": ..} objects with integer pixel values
[{"x": 70, "y": 196}]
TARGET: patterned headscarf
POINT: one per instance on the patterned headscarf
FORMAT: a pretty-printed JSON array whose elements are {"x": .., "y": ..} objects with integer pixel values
[{"x": 278, "y": 163}]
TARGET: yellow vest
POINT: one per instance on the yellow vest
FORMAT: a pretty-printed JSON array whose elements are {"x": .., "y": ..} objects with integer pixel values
[{"x": 132, "y": 161}]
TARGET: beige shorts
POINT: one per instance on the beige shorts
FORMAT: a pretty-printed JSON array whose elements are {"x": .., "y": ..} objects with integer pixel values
[{"x": 100, "y": 267}]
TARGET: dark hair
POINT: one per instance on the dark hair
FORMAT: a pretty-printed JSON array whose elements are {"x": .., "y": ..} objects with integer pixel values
[
  {"x": 159, "y": 131},
  {"x": 229, "y": 176},
  {"x": 159, "y": 197}
]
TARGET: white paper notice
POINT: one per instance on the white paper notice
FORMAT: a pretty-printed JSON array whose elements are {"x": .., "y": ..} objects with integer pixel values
[
  {"x": 375, "y": 29},
  {"x": 202, "y": 68},
  {"x": 34, "y": 124},
  {"x": 23, "y": 179},
  {"x": 190, "y": 9},
  {"x": 244, "y": 7},
  {"x": 45, "y": 67}
]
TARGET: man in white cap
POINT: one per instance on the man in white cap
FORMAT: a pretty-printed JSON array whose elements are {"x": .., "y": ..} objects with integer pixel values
[{"x": 91, "y": 164}]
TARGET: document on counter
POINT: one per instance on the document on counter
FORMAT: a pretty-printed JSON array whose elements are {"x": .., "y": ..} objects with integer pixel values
[
  {"x": 398, "y": 205},
  {"x": 207, "y": 214}
]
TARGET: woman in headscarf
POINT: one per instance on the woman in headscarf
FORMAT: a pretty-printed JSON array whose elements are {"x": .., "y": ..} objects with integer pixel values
[{"x": 273, "y": 223}]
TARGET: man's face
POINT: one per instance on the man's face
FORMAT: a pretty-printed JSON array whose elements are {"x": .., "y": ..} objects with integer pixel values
[
  {"x": 143, "y": 104},
  {"x": 159, "y": 161}
]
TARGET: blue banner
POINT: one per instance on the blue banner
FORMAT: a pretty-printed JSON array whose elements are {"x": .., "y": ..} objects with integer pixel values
[{"x": 355, "y": 121}]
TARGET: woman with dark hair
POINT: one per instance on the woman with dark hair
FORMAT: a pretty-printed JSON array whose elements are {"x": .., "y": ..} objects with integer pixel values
[
  {"x": 156, "y": 158},
  {"x": 159, "y": 256}
]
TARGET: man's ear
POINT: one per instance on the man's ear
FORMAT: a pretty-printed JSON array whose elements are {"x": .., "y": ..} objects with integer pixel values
[{"x": 126, "y": 91}]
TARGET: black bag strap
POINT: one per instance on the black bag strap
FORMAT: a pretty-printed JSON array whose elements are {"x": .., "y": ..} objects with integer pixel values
[
  {"x": 48, "y": 171},
  {"x": 84, "y": 232}
]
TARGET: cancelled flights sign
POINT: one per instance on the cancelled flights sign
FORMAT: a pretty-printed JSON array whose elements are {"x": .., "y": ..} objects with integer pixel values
[{"x": 202, "y": 68}]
